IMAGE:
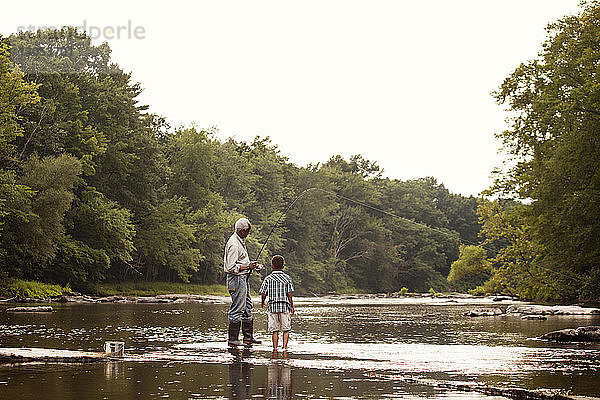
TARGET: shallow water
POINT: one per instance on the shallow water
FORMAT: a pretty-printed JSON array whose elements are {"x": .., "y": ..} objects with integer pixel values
[{"x": 342, "y": 348}]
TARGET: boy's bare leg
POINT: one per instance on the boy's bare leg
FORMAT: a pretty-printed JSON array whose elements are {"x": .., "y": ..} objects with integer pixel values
[
  {"x": 286, "y": 336},
  {"x": 275, "y": 339}
]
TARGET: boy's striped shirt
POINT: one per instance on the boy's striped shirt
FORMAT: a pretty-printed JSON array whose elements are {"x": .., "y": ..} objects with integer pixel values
[{"x": 276, "y": 286}]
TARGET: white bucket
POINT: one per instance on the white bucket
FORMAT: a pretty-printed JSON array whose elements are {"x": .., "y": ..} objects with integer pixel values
[{"x": 115, "y": 349}]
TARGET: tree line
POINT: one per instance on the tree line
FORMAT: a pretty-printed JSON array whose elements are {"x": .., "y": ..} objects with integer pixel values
[{"x": 95, "y": 188}]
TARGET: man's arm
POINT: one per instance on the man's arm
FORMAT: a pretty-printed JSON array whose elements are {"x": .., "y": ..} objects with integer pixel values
[
  {"x": 232, "y": 265},
  {"x": 289, "y": 296},
  {"x": 262, "y": 303}
]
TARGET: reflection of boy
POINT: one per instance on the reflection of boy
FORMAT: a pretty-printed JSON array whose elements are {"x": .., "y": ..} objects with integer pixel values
[
  {"x": 279, "y": 379},
  {"x": 278, "y": 287}
]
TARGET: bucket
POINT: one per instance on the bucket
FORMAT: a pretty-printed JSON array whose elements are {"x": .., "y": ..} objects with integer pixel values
[{"x": 115, "y": 349}]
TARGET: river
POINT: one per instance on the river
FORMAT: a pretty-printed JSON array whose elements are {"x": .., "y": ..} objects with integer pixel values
[{"x": 339, "y": 348}]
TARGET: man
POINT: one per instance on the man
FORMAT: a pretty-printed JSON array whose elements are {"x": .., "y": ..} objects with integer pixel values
[{"x": 237, "y": 266}]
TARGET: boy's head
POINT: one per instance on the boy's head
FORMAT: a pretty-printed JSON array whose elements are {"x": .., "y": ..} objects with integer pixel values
[{"x": 277, "y": 263}]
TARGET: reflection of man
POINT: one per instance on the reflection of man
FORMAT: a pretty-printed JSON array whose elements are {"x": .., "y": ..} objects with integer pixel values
[
  {"x": 240, "y": 375},
  {"x": 237, "y": 265},
  {"x": 279, "y": 378}
]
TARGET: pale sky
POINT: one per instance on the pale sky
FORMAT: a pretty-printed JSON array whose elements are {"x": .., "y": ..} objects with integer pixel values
[{"x": 404, "y": 83}]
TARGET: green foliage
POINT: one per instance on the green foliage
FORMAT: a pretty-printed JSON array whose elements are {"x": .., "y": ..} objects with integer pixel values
[
  {"x": 470, "y": 270},
  {"x": 478, "y": 291},
  {"x": 553, "y": 150},
  {"x": 103, "y": 224},
  {"x": 591, "y": 286},
  {"x": 190, "y": 155},
  {"x": 518, "y": 267},
  {"x": 15, "y": 93},
  {"x": 31, "y": 289},
  {"x": 166, "y": 239},
  {"x": 403, "y": 291},
  {"x": 34, "y": 227},
  {"x": 60, "y": 62},
  {"x": 77, "y": 263},
  {"x": 52, "y": 179},
  {"x": 12, "y": 197}
]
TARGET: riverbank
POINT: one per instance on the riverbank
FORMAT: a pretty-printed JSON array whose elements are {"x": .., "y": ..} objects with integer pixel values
[
  {"x": 28, "y": 291},
  {"x": 20, "y": 291},
  {"x": 156, "y": 288},
  {"x": 168, "y": 292}
]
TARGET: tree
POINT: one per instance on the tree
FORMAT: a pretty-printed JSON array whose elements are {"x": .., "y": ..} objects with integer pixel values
[
  {"x": 166, "y": 240},
  {"x": 102, "y": 224},
  {"x": 470, "y": 270},
  {"x": 59, "y": 62},
  {"x": 32, "y": 235},
  {"x": 190, "y": 156},
  {"x": 518, "y": 267},
  {"x": 88, "y": 109},
  {"x": 15, "y": 94},
  {"x": 554, "y": 148}
]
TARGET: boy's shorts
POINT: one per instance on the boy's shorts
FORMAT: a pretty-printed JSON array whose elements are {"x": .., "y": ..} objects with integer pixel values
[{"x": 280, "y": 321}]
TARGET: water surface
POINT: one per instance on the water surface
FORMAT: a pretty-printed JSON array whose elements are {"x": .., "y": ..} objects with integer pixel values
[{"x": 339, "y": 348}]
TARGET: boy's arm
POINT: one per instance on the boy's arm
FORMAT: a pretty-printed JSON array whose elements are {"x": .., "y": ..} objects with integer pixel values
[
  {"x": 289, "y": 296},
  {"x": 262, "y": 303}
]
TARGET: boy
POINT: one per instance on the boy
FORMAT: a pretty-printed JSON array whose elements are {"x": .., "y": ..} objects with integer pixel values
[{"x": 279, "y": 287}]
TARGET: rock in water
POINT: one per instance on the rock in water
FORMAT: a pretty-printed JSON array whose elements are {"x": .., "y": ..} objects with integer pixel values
[
  {"x": 534, "y": 317},
  {"x": 581, "y": 334},
  {"x": 484, "y": 312},
  {"x": 30, "y": 309},
  {"x": 26, "y": 355},
  {"x": 534, "y": 309}
]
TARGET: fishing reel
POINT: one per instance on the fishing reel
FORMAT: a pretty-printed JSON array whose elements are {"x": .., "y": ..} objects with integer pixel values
[{"x": 259, "y": 268}]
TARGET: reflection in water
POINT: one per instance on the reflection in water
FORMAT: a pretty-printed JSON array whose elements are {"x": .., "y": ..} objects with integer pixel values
[
  {"x": 279, "y": 377},
  {"x": 113, "y": 370},
  {"x": 240, "y": 373}
]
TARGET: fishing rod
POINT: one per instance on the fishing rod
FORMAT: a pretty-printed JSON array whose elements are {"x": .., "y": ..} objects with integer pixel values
[{"x": 281, "y": 216}]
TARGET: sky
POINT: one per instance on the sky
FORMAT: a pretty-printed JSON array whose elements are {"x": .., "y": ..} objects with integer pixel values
[{"x": 405, "y": 83}]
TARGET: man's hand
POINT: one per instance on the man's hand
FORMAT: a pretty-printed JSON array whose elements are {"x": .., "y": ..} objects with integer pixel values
[
  {"x": 250, "y": 266},
  {"x": 292, "y": 310},
  {"x": 264, "y": 306}
]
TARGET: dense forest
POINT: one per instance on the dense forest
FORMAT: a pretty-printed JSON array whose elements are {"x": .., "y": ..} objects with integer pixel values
[{"x": 95, "y": 188}]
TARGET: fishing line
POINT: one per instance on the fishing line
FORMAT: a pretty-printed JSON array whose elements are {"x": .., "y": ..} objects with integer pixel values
[
  {"x": 363, "y": 205},
  {"x": 391, "y": 215}
]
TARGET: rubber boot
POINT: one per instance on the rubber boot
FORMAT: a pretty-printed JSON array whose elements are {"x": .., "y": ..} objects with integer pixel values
[
  {"x": 247, "y": 328},
  {"x": 234, "y": 331}
]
